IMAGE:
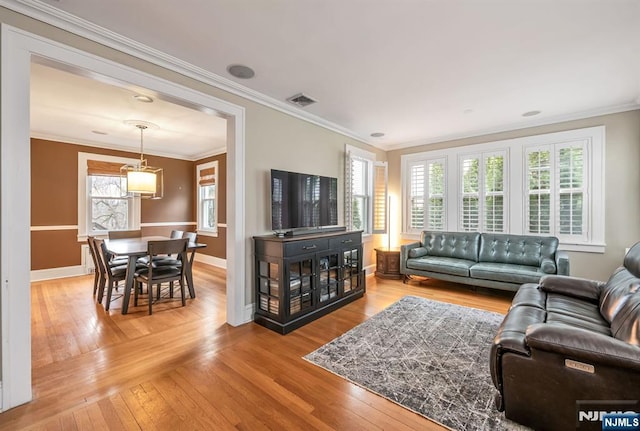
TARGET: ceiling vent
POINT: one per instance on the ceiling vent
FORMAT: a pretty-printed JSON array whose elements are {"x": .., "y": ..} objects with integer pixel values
[{"x": 302, "y": 100}]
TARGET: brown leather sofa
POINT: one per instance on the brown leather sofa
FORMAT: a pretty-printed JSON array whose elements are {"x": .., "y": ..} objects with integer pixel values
[{"x": 567, "y": 343}]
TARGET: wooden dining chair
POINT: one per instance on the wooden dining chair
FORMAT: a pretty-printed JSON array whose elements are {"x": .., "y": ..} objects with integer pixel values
[
  {"x": 155, "y": 274},
  {"x": 113, "y": 274},
  {"x": 97, "y": 273},
  {"x": 121, "y": 234}
]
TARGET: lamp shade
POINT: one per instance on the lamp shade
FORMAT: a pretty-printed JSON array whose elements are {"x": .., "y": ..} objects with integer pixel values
[{"x": 141, "y": 182}]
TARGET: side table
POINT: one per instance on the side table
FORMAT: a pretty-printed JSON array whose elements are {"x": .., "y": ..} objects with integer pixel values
[{"x": 388, "y": 263}]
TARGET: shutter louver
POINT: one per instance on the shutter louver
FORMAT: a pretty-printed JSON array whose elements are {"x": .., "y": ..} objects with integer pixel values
[
  {"x": 539, "y": 192},
  {"x": 494, "y": 194}
]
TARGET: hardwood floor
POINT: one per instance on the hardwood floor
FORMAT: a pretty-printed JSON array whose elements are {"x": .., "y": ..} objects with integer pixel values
[{"x": 185, "y": 368}]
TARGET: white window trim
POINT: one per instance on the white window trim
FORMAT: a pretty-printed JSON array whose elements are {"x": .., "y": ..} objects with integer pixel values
[
  {"x": 83, "y": 213},
  {"x": 200, "y": 230},
  {"x": 370, "y": 157},
  {"x": 515, "y": 181}
]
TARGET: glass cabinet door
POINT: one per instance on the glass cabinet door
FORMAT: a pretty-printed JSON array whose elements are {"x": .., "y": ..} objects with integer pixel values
[
  {"x": 300, "y": 286},
  {"x": 350, "y": 270},
  {"x": 328, "y": 277},
  {"x": 269, "y": 287}
]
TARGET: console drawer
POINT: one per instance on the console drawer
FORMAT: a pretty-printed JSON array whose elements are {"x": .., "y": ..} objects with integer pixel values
[
  {"x": 347, "y": 240},
  {"x": 306, "y": 246}
]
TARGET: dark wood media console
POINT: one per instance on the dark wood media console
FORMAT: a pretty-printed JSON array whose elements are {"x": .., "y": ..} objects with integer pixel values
[{"x": 299, "y": 279}]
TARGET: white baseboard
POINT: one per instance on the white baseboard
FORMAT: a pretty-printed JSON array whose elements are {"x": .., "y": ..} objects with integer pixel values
[
  {"x": 53, "y": 273},
  {"x": 211, "y": 260},
  {"x": 368, "y": 270}
]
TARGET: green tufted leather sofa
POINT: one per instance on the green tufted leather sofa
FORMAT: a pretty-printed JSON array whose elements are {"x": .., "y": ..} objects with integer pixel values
[{"x": 499, "y": 261}]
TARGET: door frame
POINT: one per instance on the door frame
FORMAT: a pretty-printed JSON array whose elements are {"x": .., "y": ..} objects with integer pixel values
[{"x": 18, "y": 47}]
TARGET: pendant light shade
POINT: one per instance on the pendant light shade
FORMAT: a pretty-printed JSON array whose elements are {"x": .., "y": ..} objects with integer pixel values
[{"x": 143, "y": 180}]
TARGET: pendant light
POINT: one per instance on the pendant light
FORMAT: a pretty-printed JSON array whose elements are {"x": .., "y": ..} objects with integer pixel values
[{"x": 143, "y": 180}]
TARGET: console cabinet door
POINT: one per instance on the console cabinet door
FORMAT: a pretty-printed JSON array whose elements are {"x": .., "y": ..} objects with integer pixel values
[
  {"x": 269, "y": 287},
  {"x": 351, "y": 270},
  {"x": 328, "y": 277},
  {"x": 299, "y": 285}
]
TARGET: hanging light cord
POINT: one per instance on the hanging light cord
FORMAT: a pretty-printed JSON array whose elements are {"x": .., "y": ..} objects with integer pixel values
[{"x": 142, "y": 127}]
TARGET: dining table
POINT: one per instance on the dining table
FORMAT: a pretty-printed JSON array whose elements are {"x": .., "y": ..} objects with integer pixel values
[{"x": 135, "y": 248}]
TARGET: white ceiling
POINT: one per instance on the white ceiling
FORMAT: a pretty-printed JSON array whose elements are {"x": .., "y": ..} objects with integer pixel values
[
  {"x": 70, "y": 107},
  {"x": 418, "y": 70}
]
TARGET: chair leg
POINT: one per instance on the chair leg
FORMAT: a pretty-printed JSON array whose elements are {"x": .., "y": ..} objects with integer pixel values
[
  {"x": 150, "y": 290},
  {"x": 171, "y": 289},
  {"x": 108, "y": 304},
  {"x": 101, "y": 285},
  {"x": 182, "y": 293},
  {"x": 136, "y": 287},
  {"x": 96, "y": 281},
  {"x": 159, "y": 287}
]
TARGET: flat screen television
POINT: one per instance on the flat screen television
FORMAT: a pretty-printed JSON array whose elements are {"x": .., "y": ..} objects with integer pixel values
[{"x": 302, "y": 201}]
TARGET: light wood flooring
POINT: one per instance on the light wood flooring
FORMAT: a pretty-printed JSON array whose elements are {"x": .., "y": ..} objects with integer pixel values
[{"x": 185, "y": 368}]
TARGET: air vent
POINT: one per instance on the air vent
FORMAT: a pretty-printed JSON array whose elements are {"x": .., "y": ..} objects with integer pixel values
[{"x": 302, "y": 100}]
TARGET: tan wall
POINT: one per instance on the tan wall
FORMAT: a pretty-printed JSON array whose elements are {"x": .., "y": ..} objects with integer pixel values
[
  {"x": 54, "y": 200},
  {"x": 622, "y": 181}
]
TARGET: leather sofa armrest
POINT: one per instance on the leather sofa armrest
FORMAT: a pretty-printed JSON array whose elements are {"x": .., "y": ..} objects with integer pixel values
[
  {"x": 404, "y": 254},
  {"x": 562, "y": 262},
  {"x": 572, "y": 286},
  {"x": 583, "y": 345}
]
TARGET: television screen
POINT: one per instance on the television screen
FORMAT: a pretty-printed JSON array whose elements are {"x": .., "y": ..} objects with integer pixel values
[{"x": 302, "y": 200}]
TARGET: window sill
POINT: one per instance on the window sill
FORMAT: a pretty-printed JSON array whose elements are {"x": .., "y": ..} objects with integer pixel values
[{"x": 210, "y": 233}]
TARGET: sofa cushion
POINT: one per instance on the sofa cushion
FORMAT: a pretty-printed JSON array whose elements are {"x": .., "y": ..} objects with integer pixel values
[
  {"x": 418, "y": 252},
  {"x": 616, "y": 291},
  {"x": 506, "y": 272},
  {"x": 461, "y": 245},
  {"x": 576, "y": 312},
  {"x": 442, "y": 265},
  {"x": 518, "y": 249},
  {"x": 625, "y": 325},
  {"x": 529, "y": 294}
]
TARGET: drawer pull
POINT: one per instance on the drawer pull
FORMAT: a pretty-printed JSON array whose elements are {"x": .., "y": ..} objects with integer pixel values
[
  {"x": 347, "y": 241},
  {"x": 309, "y": 247}
]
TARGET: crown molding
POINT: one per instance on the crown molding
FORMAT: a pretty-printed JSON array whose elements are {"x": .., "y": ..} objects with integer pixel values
[
  {"x": 517, "y": 126},
  {"x": 48, "y": 14}
]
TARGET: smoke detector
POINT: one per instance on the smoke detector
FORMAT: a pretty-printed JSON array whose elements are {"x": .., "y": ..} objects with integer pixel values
[{"x": 301, "y": 100}]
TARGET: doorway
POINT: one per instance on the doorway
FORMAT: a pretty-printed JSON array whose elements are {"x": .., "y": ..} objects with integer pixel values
[{"x": 18, "y": 48}]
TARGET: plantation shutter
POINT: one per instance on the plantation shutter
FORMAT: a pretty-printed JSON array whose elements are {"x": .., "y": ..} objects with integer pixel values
[
  {"x": 417, "y": 181},
  {"x": 348, "y": 190},
  {"x": 470, "y": 194},
  {"x": 101, "y": 168},
  {"x": 539, "y": 209},
  {"x": 494, "y": 205},
  {"x": 570, "y": 196},
  {"x": 436, "y": 195},
  {"x": 380, "y": 202}
]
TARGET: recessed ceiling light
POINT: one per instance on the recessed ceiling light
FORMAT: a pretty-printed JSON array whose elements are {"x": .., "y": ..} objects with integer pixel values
[
  {"x": 468, "y": 111},
  {"x": 240, "y": 71},
  {"x": 531, "y": 113},
  {"x": 377, "y": 135},
  {"x": 99, "y": 132},
  {"x": 142, "y": 98}
]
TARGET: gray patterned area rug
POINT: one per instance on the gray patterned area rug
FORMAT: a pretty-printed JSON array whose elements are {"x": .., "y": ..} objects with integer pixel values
[{"x": 430, "y": 357}]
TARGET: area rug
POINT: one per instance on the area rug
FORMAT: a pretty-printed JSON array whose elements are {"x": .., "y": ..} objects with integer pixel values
[{"x": 430, "y": 357}]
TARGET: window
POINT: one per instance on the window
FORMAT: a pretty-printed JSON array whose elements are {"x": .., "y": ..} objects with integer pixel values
[
  {"x": 102, "y": 201},
  {"x": 427, "y": 185},
  {"x": 365, "y": 192},
  {"x": 556, "y": 179},
  {"x": 548, "y": 184},
  {"x": 482, "y": 195},
  {"x": 108, "y": 210},
  {"x": 207, "y": 174}
]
